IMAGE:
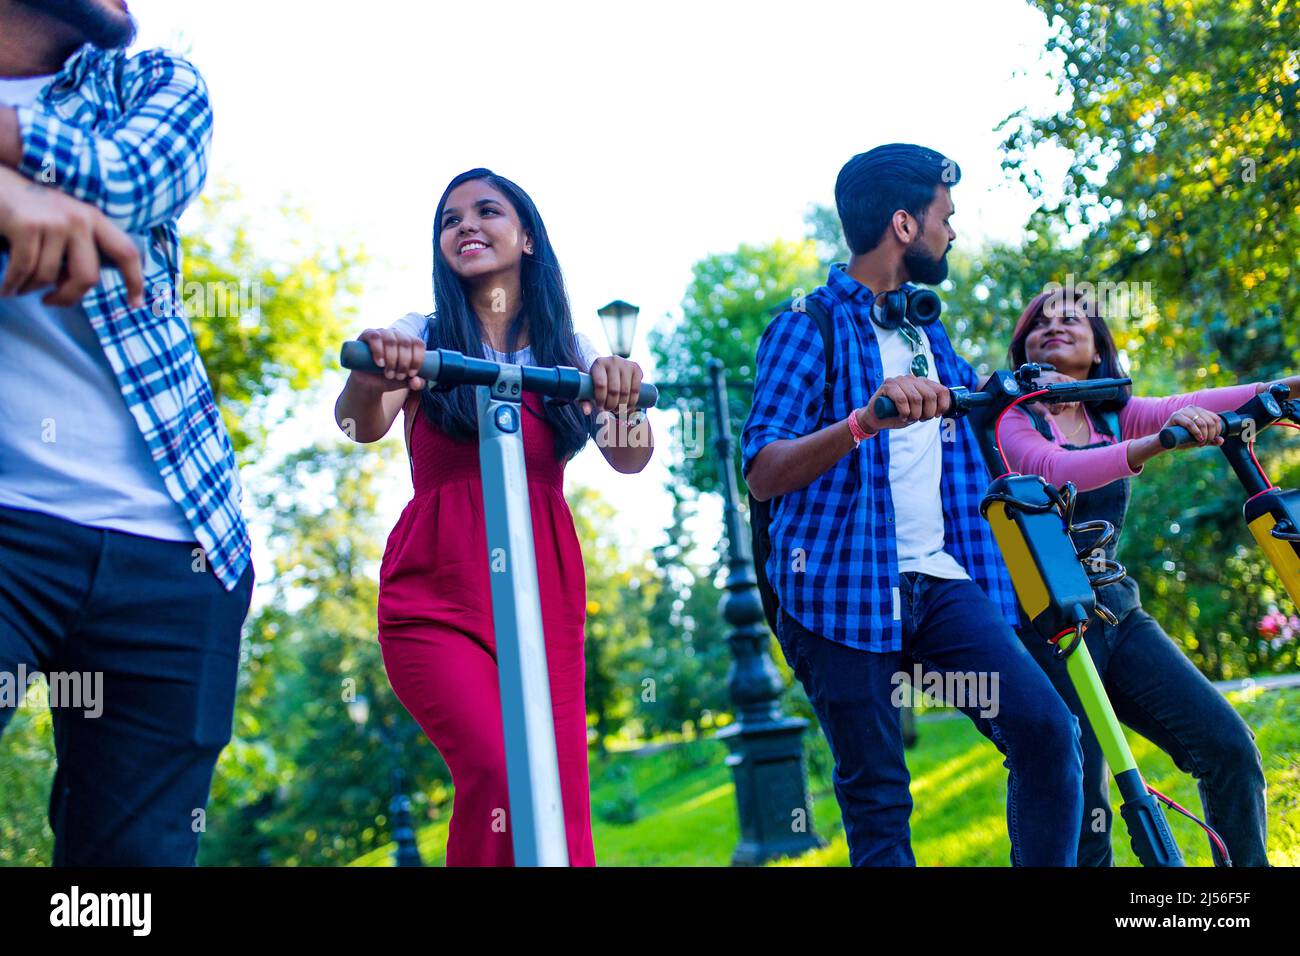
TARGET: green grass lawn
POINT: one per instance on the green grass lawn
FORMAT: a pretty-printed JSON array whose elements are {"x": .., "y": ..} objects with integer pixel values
[{"x": 686, "y": 810}]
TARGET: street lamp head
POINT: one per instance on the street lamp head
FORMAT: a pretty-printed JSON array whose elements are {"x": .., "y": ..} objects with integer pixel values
[{"x": 619, "y": 319}]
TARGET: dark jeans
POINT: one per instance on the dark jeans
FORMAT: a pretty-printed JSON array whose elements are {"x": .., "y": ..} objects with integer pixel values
[
  {"x": 132, "y": 783},
  {"x": 949, "y": 628},
  {"x": 1158, "y": 692}
]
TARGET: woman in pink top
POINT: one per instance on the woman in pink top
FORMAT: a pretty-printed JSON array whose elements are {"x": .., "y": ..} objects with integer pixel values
[{"x": 1154, "y": 688}]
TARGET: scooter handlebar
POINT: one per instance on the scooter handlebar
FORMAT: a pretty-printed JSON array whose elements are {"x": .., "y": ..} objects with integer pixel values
[
  {"x": 961, "y": 401},
  {"x": 356, "y": 357},
  {"x": 564, "y": 383},
  {"x": 1176, "y": 436}
]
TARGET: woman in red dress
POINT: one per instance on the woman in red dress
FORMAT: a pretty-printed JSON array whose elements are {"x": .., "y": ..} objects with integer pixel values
[{"x": 498, "y": 292}]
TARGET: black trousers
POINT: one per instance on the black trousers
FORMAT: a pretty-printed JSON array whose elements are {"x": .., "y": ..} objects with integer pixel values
[
  {"x": 140, "y": 642},
  {"x": 1158, "y": 692}
]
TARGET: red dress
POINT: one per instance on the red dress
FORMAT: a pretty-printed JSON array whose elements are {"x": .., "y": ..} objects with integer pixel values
[{"x": 439, "y": 648}]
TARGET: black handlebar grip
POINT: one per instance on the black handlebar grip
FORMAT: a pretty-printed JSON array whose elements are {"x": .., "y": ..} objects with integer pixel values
[
  {"x": 1175, "y": 436},
  {"x": 885, "y": 407},
  {"x": 648, "y": 397},
  {"x": 356, "y": 356}
]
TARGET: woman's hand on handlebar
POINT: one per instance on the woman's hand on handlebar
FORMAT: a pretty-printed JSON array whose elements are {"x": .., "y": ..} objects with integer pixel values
[
  {"x": 399, "y": 355},
  {"x": 616, "y": 383},
  {"x": 917, "y": 400},
  {"x": 1051, "y": 377},
  {"x": 1203, "y": 425}
]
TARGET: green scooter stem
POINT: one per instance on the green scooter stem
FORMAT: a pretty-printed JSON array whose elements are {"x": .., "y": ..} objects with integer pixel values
[{"x": 1148, "y": 829}]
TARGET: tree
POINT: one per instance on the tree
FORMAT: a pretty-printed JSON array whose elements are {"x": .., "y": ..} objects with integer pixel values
[
  {"x": 1181, "y": 123},
  {"x": 264, "y": 325},
  {"x": 726, "y": 307},
  {"x": 679, "y": 671},
  {"x": 617, "y": 588}
]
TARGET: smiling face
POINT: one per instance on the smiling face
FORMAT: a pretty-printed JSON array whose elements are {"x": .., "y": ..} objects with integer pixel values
[
  {"x": 1062, "y": 336},
  {"x": 479, "y": 233},
  {"x": 106, "y": 24}
]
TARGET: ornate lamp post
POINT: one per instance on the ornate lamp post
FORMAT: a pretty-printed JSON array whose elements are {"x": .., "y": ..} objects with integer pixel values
[
  {"x": 766, "y": 746},
  {"x": 619, "y": 320},
  {"x": 399, "y": 808}
]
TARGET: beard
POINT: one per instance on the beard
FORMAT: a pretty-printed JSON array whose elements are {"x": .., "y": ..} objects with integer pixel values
[
  {"x": 93, "y": 21},
  {"x": 925, "y": 268}
]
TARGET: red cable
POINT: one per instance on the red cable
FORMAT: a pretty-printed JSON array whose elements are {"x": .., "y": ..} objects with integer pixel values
[
  {"x": 997, "y": 427},
  {"x": 1209, "y": 830},
  {"x": 1250, "y": 446}
]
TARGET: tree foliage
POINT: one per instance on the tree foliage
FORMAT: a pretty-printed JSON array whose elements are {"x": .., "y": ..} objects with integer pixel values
[{"x": 266, "y": 326}]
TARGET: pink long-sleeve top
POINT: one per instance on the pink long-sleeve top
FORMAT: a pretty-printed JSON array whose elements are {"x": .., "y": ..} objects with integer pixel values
[{"x": 1030, "y": 453}]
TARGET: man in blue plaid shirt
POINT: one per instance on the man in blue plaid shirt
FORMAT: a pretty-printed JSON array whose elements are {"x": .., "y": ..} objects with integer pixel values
[
  {"x": 124, "y": 559},
  {"x": 880, "y": 560}
]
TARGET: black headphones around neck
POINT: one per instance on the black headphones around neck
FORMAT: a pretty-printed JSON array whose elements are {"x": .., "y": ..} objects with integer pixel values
[{"x": 918, "y": 306}]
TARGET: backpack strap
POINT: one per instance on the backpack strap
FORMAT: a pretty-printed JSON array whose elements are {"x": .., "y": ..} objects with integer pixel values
[
  {"x": 1108, "y": 423},
  {"x": 760, "y": 512},
  {"x": 826, "y": 328},
  {"x": 1040, "y": 423}
]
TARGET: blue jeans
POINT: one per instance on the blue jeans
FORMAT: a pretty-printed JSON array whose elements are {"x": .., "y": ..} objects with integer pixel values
[
  {"x": 952, "y": 630},
  {"x": 1159, "y": 693},
  {"x": 159, "y": 638}
]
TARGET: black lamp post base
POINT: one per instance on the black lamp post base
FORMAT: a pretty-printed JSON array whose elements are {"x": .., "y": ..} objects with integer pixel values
[{"x": 771, "y": 791}]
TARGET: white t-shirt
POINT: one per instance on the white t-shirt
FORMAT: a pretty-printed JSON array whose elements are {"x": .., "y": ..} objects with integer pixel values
[
  {"x": 413, "y": 323},
  {"x": 915, "y": 462},
  {"x": 69, "y": 446}
]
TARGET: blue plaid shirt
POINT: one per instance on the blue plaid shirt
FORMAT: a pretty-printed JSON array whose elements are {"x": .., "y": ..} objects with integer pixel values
[
  {"x": 130, "y": 136},
  {"x": 834, "y": 560}
]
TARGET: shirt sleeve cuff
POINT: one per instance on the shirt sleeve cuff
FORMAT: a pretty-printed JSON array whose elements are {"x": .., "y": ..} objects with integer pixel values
[
  {"x": 42, "y": 143},
  {"x": 1129, "y": 471},
  {"x": 756, "y": 440}
]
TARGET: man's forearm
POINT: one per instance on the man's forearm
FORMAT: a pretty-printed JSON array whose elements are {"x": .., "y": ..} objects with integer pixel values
[
  {"x": 789, "y": 464},
  {"x": 11, "y": 138}
]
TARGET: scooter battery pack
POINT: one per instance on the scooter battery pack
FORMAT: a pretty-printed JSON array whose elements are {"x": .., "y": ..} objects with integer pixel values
[
  {"x": 1050, "y": 583},
  {"x": 1278, "y": 509}
]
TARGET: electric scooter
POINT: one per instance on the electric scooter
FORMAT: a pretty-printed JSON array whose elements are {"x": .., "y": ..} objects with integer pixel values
[
  {"x": 1055, "y": 577},
  {"x": 532, "y": 772},
  {"x": 1272, "y": 513}
]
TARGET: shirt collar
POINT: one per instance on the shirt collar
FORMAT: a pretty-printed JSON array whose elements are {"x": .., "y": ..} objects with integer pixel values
[
  {"x": 846, "y": 288},
  {"x": 76, "y": 66}
]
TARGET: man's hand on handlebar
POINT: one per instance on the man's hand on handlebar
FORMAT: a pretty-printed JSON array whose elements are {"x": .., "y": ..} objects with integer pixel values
[
  {"x": 399, "y": 355},
  {"x": 57, "y": 243},
  {"x": 917, "y": 400}
]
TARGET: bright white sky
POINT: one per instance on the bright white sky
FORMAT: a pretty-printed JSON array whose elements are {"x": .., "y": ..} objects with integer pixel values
[{"x": 649, "y": 135}]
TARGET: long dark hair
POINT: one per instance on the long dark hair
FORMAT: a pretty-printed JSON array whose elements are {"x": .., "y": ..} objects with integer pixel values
[
  {"x": 1083, "y": 305},
  {"x": 545, "y": 312}
]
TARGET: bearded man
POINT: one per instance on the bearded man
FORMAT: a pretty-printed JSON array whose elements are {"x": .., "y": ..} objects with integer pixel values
[{"x": 124, "y": 559}]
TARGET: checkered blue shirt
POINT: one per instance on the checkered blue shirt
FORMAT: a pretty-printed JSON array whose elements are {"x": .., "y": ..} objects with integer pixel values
[
  {"x": 130, "y": 136},
  {"x": 834, "y": 560}
]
